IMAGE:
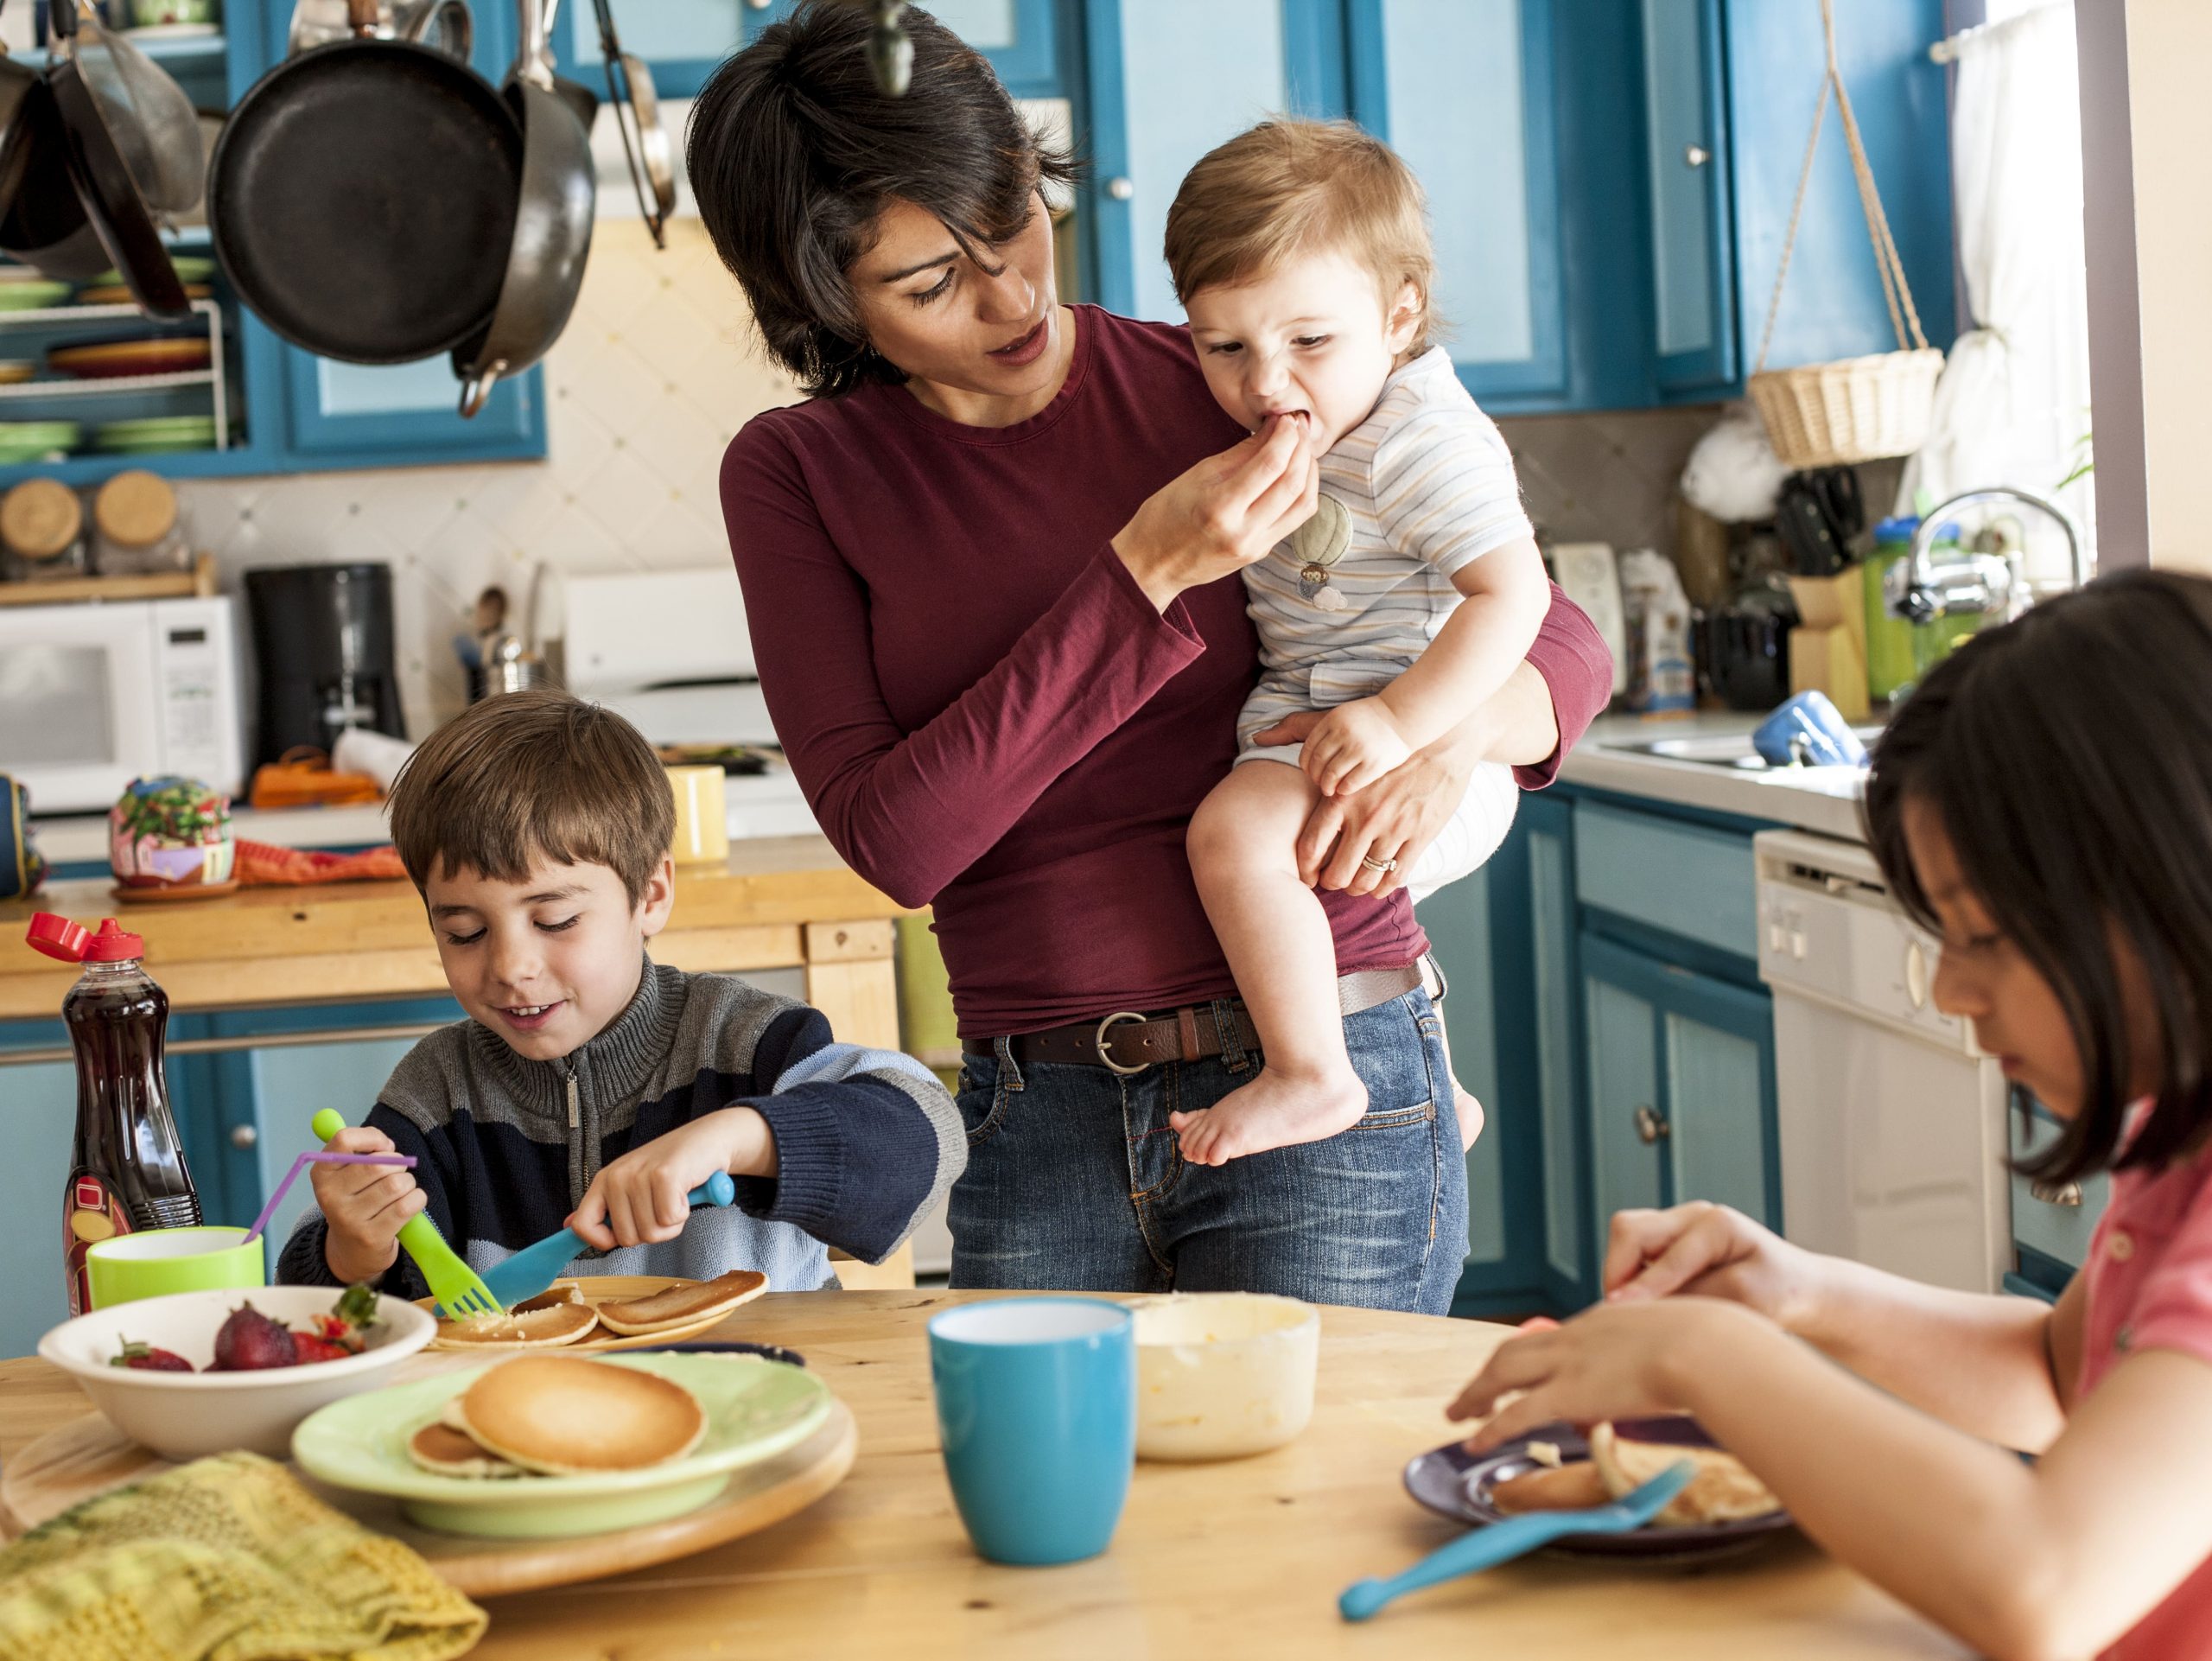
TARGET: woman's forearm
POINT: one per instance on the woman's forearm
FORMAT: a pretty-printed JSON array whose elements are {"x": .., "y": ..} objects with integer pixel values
[{"x": 1486, "y": 637}]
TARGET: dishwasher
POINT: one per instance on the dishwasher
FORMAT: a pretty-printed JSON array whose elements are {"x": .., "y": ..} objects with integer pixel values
[{"x": 1890, "y": 1121}]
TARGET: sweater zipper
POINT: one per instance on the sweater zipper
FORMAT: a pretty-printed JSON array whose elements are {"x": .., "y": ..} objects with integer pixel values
[{"x": 575, "y": 1116}]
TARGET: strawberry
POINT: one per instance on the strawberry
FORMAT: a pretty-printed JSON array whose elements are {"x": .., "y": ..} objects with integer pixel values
[
  {"x": 145, "y": 1358},
  {"x": 250, "y": 1340},
  {"x": 308, "y": 1347}
]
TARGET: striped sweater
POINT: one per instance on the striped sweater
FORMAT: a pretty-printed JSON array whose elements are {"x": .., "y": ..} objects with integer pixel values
[{"x": 866, "y": 1141}]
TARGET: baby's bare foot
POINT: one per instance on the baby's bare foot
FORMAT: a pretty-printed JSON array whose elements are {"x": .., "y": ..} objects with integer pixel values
[{"x": 1274, "y": 1111}]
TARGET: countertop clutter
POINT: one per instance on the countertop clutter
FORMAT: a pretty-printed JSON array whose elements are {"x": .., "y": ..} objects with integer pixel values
[{"x": 1706, "y": 762}]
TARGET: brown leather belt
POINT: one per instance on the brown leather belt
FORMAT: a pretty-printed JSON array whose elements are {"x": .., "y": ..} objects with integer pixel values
[{"x": 1129, "y": 1042}]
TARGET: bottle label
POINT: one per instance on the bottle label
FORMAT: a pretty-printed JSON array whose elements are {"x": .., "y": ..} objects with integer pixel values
[{"x": 91, "y": 1212}]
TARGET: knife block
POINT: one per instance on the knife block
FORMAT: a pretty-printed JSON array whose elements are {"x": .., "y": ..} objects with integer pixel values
[{"x": 1828, "y": 650}]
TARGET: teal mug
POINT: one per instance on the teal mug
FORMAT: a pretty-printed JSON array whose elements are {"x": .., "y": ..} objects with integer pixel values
[{"x": 1037, "y": 1406}]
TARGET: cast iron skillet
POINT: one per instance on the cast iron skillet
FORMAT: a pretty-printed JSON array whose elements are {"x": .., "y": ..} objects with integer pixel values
[
  {"x": 103, "y": 184},
  {"x": 362, "y": 198}
]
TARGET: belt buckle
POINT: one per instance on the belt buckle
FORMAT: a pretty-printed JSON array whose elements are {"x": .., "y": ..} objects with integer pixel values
[{"x": 1105, "y": 1056}]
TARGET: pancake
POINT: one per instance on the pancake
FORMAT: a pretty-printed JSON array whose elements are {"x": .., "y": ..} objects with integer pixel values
[
  {"x": 568, "y": 1415},
  {"x": 683, "y": 1306},
  {"x": 1568, "y": 1487},
  {"x": 1723, "y": 1490},
  {"x": 437, "y": 1446},
  {"x": 524, "y": 1326},
  {"x": 559, "y": 1293}
]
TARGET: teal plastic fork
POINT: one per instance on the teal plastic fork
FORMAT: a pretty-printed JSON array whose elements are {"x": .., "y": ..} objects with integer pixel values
[
  {"x": 460, "y": 1291},
  {"x": 1486, "y": 1547}
]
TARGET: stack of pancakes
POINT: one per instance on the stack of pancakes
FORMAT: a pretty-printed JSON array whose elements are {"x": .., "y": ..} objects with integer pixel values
[
  {"x": 1722, "y": 1491},
  {"x": 560, "y": 1415},
  {"x": 564, "y": 1316}
]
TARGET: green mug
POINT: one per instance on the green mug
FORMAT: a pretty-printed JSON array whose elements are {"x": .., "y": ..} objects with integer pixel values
[{"x": 155, "y": 1262}]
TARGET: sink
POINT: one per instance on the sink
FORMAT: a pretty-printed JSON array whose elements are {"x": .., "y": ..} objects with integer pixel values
[{"x": 1715, "y": 750}]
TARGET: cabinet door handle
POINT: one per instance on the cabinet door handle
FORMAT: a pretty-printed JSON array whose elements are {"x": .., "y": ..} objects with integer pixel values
[
  {"x": 244, "y": 1136},
  {"x": 1650, "y": 1126},
  {"x": 2057, "y": 1193},
  {"x": 1121, "y": 188},
  {"x": 1695, "y": 156}
]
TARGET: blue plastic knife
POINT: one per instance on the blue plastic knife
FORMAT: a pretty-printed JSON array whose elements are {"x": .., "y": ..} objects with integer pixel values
[{"x": 535, "y": 1267}]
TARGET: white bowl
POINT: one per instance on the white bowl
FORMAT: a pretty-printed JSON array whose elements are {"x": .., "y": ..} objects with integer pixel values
[
  {"x": 184, "y": 1415},
  {"x": 1223, "y": 1374}
]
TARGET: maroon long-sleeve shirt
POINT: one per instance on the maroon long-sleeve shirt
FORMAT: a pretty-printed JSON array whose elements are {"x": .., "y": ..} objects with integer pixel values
[{"x": 986, "y": 713}]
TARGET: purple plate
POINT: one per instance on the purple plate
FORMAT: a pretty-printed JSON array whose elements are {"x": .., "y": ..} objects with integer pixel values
[{"x": 1454, "y": 1483}]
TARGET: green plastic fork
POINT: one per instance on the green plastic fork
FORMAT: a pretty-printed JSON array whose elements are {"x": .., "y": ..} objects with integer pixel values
[{"x": 459, "y": 1291}]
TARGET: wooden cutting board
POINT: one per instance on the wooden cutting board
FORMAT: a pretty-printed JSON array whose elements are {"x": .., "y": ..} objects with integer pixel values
[{"x": 90, "y": 1456}]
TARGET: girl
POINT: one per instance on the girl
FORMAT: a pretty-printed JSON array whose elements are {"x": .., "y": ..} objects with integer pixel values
[{"x": 2044, "y": 804}]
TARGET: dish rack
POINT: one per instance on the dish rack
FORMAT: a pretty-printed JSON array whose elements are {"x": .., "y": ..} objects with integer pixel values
[{"x": 213, "y": 378}]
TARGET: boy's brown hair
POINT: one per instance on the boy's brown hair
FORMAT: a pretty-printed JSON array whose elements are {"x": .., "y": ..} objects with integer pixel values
[
  {"x": 1289, "y": 187},
  {"x": 534, "y": 775}
]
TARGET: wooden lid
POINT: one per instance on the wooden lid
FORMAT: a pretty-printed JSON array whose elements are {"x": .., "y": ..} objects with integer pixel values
[
  {"x": 136, "y": 508},
  {"x": 41, "y": 517}
]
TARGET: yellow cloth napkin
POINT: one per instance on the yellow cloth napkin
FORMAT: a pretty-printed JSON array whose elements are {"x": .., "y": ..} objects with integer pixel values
[{"x": 226, "y": 1559}]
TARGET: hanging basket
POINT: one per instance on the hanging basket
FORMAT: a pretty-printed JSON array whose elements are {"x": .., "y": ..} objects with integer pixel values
[{"x": 1821, "y": 415}]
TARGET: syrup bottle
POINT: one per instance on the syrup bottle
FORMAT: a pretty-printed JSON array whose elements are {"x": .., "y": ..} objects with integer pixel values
[{"x": 127, "y": 1169}]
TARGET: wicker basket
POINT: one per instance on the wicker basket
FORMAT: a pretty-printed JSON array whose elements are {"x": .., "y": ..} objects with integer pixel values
[
  {"x": 1823, "y": 415},
  {"x": 1826, "y": 414}
]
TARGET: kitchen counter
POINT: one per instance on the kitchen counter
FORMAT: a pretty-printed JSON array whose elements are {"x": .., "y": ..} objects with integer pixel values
[
  {"x": 1824, "y": 800},
  {"x": 777, "y": 902}
]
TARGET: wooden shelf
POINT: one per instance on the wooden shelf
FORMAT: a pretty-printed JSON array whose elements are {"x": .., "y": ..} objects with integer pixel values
[{"x": 199, "y": 582}]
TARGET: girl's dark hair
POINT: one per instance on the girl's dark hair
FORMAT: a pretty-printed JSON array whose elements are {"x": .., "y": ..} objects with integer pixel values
[
  {"x": 793, "y": 153},
  {"x": 2069, "y": 756}
]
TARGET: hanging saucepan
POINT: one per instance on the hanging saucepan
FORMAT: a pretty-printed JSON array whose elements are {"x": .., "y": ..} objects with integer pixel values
[
  {"x": 45, "y": 225},
  {"x": 443, "y": 25},
  {"x": 582, "y": 101},
  {"x": 645, "y": 146},
  {"x": 362, "y": 198},
  {"x": 22, "y": 107},
  {"x": 111, "y": 201},
  {"x": 552, "y": 226}
]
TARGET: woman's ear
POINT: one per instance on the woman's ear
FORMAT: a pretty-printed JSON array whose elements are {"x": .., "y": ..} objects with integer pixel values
[{"x": 1407, "y": 312}]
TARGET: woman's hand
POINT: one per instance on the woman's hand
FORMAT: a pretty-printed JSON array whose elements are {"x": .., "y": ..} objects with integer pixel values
[
  {"x": 1393, "y": 818},
  {"x": 1354, "y": 745},
  {"x": 1618, "y": 1361},
  {"x": 1710, "y": 1251},
  {"x": 1223, "y": 514}
]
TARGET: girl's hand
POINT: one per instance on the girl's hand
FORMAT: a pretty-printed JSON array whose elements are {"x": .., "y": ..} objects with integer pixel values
[
  {"x": 1710, "y": 1251},
  {"x": 1619, "y": 1361},
  {"x": 639, "y": 1199},
  {"x": 1354, "y": 745},
  {"x": 363, "y": 1205},
  {"x": 1223, "y": 514}
]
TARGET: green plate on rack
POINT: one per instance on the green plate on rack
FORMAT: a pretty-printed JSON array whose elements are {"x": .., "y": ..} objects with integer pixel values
[
  {"x": 32, "y": 293},
  {"x": 190, "y": 267},
  {"x": 34, "y": 441},
  {"x": 155, "y": 435}
]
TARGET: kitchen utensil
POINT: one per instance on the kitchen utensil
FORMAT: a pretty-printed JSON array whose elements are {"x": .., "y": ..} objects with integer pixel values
[
  {"x": 24, "y": 105},
  {"x": 535, "y": 1267},
  {"x": 109, "y": 360},
  {"x": 459, "y": 1291},
  {"x": 755, "y": 1410},
  {"x": 1744, "y": 645},
  {"x": 320, "y": 1156},
  {"x": 701, "y": 814},
  {"x": 42, "y": 222},
  {"x": 1036, "y": 1408},
  {"x": 103, "y": 180},
  {"x": 1816, "y": 515},
  {"x": 1502, "y": 1543},
  {"x": 187, "y": 1415},
  {"x": 161, "y": 1262},
  {"x": 646, "y": 147},
  {"x": 1221, "y": 1375},
  {"x": 330, "y": 223},
  {"x": 153, "y": 121},
  {"x": 552, "y": 226},
  {"x": 1808, "y": 730},
  {"x": 443, "y": 25}
]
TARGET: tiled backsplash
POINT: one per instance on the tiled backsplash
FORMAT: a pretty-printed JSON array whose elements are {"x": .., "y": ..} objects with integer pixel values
[{"x": 655, "y": 373}]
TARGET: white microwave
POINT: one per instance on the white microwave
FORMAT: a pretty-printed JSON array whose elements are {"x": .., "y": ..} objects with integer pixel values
[{"x": 92, "y": 696}]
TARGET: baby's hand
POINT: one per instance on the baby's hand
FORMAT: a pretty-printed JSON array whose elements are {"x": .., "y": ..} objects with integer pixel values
[
  {"x": 1354, "y": 745},
  {"x": 365, "y": 1205},
  {"x": 641, "y": 1200}
]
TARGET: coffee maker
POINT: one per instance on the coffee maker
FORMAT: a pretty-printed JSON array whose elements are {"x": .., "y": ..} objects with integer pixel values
[{"x": 323, "y": 641}]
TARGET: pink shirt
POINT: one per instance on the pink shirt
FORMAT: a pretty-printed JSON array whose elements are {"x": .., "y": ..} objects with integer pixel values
[{"x": 2150, "y": 1288}]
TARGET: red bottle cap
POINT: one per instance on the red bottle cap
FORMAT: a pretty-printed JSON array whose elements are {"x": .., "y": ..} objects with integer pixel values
[{"x": 58, "y": 936}]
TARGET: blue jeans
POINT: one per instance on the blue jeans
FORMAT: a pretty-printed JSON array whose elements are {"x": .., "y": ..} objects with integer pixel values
[{"x": 1075, "y": 1183}]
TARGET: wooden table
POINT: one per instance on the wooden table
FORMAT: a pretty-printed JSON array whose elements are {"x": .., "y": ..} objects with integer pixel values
[{"x": 1224, "y": 1561}]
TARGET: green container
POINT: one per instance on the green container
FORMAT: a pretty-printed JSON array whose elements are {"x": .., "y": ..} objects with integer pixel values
[
  {"x": 1890, "y": 666},
  {"x": 154, "y": 1262}
]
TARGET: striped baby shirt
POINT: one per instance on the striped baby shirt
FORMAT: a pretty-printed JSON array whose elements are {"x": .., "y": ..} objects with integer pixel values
[{"x": 1428, "y": 486}]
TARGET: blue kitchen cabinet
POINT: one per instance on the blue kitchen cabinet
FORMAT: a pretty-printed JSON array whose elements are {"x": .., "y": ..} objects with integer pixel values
[
  {"x": 2052, "y": 1223},
  {"x": 38, "y": 1107}
]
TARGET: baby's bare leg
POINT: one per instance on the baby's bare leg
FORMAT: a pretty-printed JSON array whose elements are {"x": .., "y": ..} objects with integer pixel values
[{"x": 1272, "y": 929}]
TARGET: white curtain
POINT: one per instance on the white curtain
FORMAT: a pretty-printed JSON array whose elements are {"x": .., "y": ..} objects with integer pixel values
[{"x": 2014, "y": 405}]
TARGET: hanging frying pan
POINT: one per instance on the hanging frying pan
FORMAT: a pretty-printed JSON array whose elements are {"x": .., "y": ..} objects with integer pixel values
[
  {"x": 22, "y": 105},
  {"x": 111, "y": 201},
  {"x": 362, "y": 198},
  {"x": 44, "y": 225},
  {"x": 552, "y": 226}
]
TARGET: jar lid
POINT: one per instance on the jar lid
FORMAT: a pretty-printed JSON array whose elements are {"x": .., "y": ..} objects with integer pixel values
[
  {"x": 41, "y": 517},
  {"x": 136, "y": 509},
  {"x": 72, "y": 942}
]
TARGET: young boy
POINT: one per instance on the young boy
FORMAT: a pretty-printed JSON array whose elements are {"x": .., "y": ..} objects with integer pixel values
[
  {"x": 1301, "y": 252},
  {"x": 590, "y": 1086}
]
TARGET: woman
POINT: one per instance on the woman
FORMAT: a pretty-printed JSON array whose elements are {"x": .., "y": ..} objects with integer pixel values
[{"x": 988, "y": 569}]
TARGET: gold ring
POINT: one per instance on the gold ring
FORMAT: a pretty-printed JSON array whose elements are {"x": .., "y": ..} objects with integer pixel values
[{"x": 1385, "y": 865}]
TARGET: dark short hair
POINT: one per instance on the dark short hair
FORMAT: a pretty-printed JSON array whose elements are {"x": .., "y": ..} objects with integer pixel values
[
  {"x": 531, "y": 775},
  {"x": 794, "y": 153},
  {"x": 2069, "y": 758}
]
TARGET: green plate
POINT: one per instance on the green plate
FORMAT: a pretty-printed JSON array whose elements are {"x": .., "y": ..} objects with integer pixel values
[
  {"x": 32, "y": 294},
  {"x": 755, "y": 1410},
  {"x": 157, "y": 426},
  {"x": 190, "y": 267}
]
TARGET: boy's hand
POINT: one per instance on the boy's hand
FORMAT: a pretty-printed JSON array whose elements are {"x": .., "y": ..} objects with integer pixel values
[
  {"x": 1354, "y": 745},
  {"x": 365, "y": 1205},
  {"x": 639, "y": 1199}
]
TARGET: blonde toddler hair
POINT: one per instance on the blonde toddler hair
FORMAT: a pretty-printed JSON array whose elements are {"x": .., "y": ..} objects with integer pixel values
[{"x": 1289, "y": 187}]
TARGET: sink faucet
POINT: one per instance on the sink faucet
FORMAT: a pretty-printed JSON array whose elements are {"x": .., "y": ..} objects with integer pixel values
[{"x": 1981, "y": 582}]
